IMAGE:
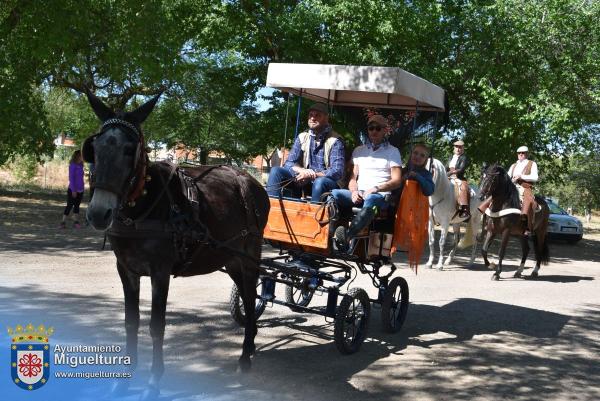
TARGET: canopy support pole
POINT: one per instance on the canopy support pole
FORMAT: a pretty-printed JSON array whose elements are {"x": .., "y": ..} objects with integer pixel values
[{"x": 298, "y": 115}]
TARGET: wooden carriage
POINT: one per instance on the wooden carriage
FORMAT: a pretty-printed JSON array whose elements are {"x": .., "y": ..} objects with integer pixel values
[{"x": 303, "y": 231}]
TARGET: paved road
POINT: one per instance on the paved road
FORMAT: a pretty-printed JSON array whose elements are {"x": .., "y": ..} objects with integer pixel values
[{"x": 466, "y": 337}]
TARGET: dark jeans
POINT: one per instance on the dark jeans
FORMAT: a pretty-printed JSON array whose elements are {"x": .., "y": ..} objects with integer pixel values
[
  {"x": 73, "y": 203},
  {"x": 316, "y": 188}
]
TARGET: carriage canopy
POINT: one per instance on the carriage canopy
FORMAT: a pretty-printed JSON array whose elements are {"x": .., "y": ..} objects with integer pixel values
[{"x": 363, "y": 86}]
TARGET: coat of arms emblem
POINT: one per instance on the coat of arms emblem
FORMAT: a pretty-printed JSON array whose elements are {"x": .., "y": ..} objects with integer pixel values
[{"x": 30, "y": 355}]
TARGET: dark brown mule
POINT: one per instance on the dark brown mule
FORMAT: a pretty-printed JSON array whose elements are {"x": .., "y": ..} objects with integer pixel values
[
  {"x": 160, "y": 226},
  {"x": 497, "y": 184}
]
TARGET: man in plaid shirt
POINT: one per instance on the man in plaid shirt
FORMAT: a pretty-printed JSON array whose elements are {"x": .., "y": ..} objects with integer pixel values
[{"x": 315, "y": 163}]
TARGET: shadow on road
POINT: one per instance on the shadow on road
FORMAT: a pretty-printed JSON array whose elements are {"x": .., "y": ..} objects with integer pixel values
[{"x": 512, "y": 351}]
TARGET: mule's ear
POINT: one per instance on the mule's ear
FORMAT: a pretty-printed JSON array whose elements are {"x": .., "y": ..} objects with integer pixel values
[
  {"x": 141, "y": 113},
  {"x": 102, "y": 111}
]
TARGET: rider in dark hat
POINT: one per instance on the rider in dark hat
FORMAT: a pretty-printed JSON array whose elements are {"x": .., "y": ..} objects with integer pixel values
[{"x": 456, "y": 167}]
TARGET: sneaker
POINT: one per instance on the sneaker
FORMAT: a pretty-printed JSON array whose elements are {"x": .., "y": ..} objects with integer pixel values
[
  {"x": 76, "y": 225},
  {"x": 62, "y": 225}
]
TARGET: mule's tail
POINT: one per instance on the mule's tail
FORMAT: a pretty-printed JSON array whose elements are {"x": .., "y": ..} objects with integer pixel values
[{"x": 542, "y": 255}]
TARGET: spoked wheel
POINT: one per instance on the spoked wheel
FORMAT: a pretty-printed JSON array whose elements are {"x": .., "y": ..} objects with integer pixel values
[
  {"x": 236, "y": 304},
  {"x": 300, "y": 295},
  {"x": 352, "y": 321},
  {"x": 394, "y": 305}
]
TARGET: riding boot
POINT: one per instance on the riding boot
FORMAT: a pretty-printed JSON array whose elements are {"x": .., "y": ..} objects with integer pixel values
[
  {"x": 464, "y": 212},
  {"x": 360, "y": 221}
]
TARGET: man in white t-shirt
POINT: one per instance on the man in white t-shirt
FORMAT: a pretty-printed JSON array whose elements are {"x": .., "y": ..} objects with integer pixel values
[{"x": 376, "y": 171}]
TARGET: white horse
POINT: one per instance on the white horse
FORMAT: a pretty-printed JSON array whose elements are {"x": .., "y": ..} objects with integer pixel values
[{"x": 442, "y": 210}]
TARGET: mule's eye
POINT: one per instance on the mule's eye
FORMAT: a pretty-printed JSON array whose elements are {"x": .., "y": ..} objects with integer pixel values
[{"x": 128, "y": 150}]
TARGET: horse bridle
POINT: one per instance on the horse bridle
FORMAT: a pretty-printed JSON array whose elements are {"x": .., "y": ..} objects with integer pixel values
[{"x": 137, "y": 177}]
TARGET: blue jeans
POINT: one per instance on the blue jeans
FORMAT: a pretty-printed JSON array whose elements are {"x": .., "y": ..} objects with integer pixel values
[
  {"x": 343, "y": 198},
  {"x": 316, "y": 188}
]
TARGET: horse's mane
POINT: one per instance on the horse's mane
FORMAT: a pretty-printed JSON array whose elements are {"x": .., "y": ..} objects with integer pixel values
[
  {"x": 438, "y": 167},
  {"x": 506, "y": 188}
]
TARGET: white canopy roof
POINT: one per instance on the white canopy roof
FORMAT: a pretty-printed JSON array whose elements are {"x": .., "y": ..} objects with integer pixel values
[{"x": 364, "y": 86}]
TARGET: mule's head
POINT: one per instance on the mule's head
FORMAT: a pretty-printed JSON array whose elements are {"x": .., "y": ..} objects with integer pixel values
[
  {"x": 119, "y": 156},
  {"x": 492, "y": 179}
]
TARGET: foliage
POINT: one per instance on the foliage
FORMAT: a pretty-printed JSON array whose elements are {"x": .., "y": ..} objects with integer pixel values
[
  {"x": 581, "y": 184},
  {"x": 516, "y": 71},
  {"x": 24, "y": 168}
]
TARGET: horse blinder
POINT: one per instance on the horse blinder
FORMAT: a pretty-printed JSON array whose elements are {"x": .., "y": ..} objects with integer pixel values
[{"x": 87, "y": 149}]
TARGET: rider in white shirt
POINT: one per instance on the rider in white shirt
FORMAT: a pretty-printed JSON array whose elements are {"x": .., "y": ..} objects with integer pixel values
[{"x": 524, "y": 173}]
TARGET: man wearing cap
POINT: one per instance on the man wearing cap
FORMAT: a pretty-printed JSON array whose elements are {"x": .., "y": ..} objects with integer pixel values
[
  {"x": 524, "y": 173},
  {"x": 457, "y": 165},
  {"x": 376, "y": 172},
  {"x": 316, "y": 161}
]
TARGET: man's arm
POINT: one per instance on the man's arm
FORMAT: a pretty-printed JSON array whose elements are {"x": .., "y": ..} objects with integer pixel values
[
  {"x": 533, "y": 175},
  {"x": 353, "y": 184},
  {"x": 294, "y": 157}
]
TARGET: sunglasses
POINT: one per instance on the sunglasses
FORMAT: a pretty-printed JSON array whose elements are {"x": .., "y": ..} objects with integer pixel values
[
  {"x": 521, "y": 153},
  {"x": 374, "y": 128}
]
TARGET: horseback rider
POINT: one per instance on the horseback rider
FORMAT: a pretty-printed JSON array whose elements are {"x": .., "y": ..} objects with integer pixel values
[
  {"x": 524, "y": 173},
  {"x": 456, "y": 167},
  {"x": 376, "y": 172},
  {"x": 316, "y": 161}
]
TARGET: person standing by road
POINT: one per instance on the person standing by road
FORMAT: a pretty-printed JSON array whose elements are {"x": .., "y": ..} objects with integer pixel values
[{"x": 75, "y": 190}]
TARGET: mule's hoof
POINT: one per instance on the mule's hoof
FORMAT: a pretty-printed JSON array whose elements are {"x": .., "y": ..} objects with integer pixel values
[
  {"x": 517, "y": 275},
  {"x": 151, "y": 393},
  {"x": 534, "y": 275},
  {"x": 244, "y": 364},
  {"x": 495, "y": 277},
  {"x": 119, "y": 388}
]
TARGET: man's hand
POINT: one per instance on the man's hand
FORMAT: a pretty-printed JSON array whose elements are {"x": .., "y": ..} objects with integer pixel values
[
  {"x": 516, "y": 178},
  {"x": 356, "y": 197},
  {"x": 370, "y": 191},
  {"x": 305, "y": 175}
]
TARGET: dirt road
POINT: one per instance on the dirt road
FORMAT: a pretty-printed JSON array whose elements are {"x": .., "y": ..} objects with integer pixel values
[{"x": 465, "y": 338}]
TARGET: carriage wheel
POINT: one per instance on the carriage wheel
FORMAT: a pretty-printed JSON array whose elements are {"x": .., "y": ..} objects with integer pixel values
[
  {"x": 300, "y": 295},
  {"x": 394, "y": 305},
  {"x": 236, "y": 305},
  {"x": 352, "y": 321}
]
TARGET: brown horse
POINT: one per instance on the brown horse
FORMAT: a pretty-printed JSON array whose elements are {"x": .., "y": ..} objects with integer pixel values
[
  {"x": 163, "y": 221},
  {"x": 506, "y": 220}
]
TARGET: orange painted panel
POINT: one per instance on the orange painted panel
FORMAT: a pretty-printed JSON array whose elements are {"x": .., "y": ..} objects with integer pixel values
[{"x": 298, "y": 223}]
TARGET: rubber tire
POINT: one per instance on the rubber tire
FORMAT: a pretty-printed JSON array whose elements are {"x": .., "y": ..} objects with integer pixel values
[
  {"x": 390, "y": 305},
  {"x": 236, "y": 307},
  {"x": 307, "y": 295},
  {"x": 339, "y": 332}
]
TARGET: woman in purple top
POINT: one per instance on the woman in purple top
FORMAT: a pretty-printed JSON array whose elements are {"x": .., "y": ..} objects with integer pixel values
[{"x": 75, "y": 191}]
